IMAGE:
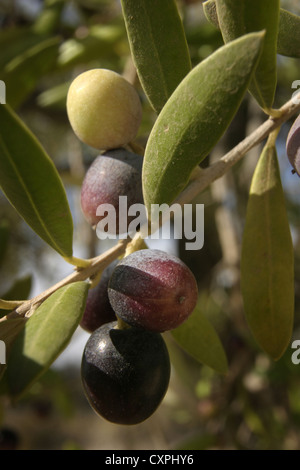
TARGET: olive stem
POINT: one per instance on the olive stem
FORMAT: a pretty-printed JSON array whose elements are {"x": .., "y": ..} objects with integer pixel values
[
  {"x": 206, "y": 176},
  {"x": 273, "y": 137},
  {"x": 121, "y": 325},
  {"x": 78, "y": 262},
  {"x": 95, "y": 265},
  {"x": 10, "y": 304}
]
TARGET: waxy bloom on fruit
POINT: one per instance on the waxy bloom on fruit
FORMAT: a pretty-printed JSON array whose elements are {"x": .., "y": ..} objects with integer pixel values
[
  {"x": 153, "y": 290},
  {"x": 125, "y": 373}
]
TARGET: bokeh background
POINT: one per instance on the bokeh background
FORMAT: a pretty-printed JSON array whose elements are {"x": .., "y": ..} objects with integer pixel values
[{"x": 257, "y": 404}]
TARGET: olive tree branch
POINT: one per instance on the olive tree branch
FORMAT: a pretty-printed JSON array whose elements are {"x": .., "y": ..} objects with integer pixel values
[
  {"x": 98, "y": 263},
  {"x": 202, "y": 178}
]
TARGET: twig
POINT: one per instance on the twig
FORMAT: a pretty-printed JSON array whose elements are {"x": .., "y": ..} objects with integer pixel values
[
  {"x": 100, "y": 262},
  {"x": 206, "y": 176},
  {"x": 200, "y": 180}
]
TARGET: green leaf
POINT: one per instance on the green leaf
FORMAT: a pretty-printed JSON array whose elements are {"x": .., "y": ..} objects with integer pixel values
[
  {"x": 267, "y": 261},
  {"x": 100, "y": 41},
  {"x": 22, "y": 74},
  {"x": 195, "y": 117},
  {"x": 54, "y": 97},
  {"x": 198, "y": 338},
  {"x": 20, "y": 290},
  {"x": 289, "y": 34},
  {"x": 158, "y": 46},
  {"x": 288, "y": 41},
  {"x": 210, "y": 11},
  {"x": 14, "y": 41},
  {"x": 239, "y": 17},
  {"x": 49, "y": 19},
  {"x": 45, "y": 335},
  {"x": 32, "y": 184}
]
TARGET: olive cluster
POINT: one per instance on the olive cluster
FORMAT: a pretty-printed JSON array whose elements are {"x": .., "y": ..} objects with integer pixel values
[
  {"x": 105, "y": 113},
  {"x": 125, "y": 365}
]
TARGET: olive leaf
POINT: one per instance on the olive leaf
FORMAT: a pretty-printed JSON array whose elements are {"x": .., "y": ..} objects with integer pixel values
[
  {"x": 289, "y": 34},
  {"x": 288, "y": 41},
  {"x": 198, "y": 338},
  {"x": 158, "y": 46},
  {"x": 45, "y": 335},
  {"x": 210, "y": 11},
  {"x": 49, "y": 18},
  {"x": 267, "y": 260},
  {"x": 20, "y": 290},
  {"x": 99, "y": 41},
  {"x": 237, "y": 18},
  {"x": 15, "y": 41},
  {"x": 23, "y": 72},
  {"x": 195, "y": 117},
  {"x": 32, "y": 184}
]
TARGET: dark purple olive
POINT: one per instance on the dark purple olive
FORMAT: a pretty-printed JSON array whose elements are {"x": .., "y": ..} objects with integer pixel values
[
  {"x": 98, "y": 309},
  {"x": 125, "y": 373}
]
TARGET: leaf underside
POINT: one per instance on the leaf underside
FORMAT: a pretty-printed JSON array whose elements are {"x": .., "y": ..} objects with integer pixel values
[{"x": 267, "y": 260}]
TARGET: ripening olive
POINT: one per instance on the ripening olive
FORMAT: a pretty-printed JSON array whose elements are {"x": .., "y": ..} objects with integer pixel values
[
  {"x": 153, "y": 290},
  {"x": 116, "y": 173}
]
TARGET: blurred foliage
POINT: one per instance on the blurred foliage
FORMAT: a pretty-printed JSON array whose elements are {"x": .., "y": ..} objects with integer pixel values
[{"x": 256, "y": 405}]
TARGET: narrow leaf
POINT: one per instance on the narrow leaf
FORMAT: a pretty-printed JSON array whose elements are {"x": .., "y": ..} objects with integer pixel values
[
  {"x": 239, "y": 17},
  {"x": 288, "y": 41},
  {"x": 158, "y": 46},
  {"x": 267, "y": 262},
  {"x": 45, "y": 336},
  {"x": 289, "y": 34},
  {"x": 198, "y": 338},
  {"x": 195, "y": 117},
  {"x": 100, "y": 41},
  {"x": 49, "y": 19},
  {"x": 20, "y": 290},
  {"x": 210, "y": 11},
  {"x": 14, "y": 41},
  {"x": 32, "y": 184},
  {"x": 22, "y": 74},
  {"x": 54, "y": 97}
]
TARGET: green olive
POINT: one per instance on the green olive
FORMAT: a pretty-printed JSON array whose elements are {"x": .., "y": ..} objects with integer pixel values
[{"x": 104, "y": 109}]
